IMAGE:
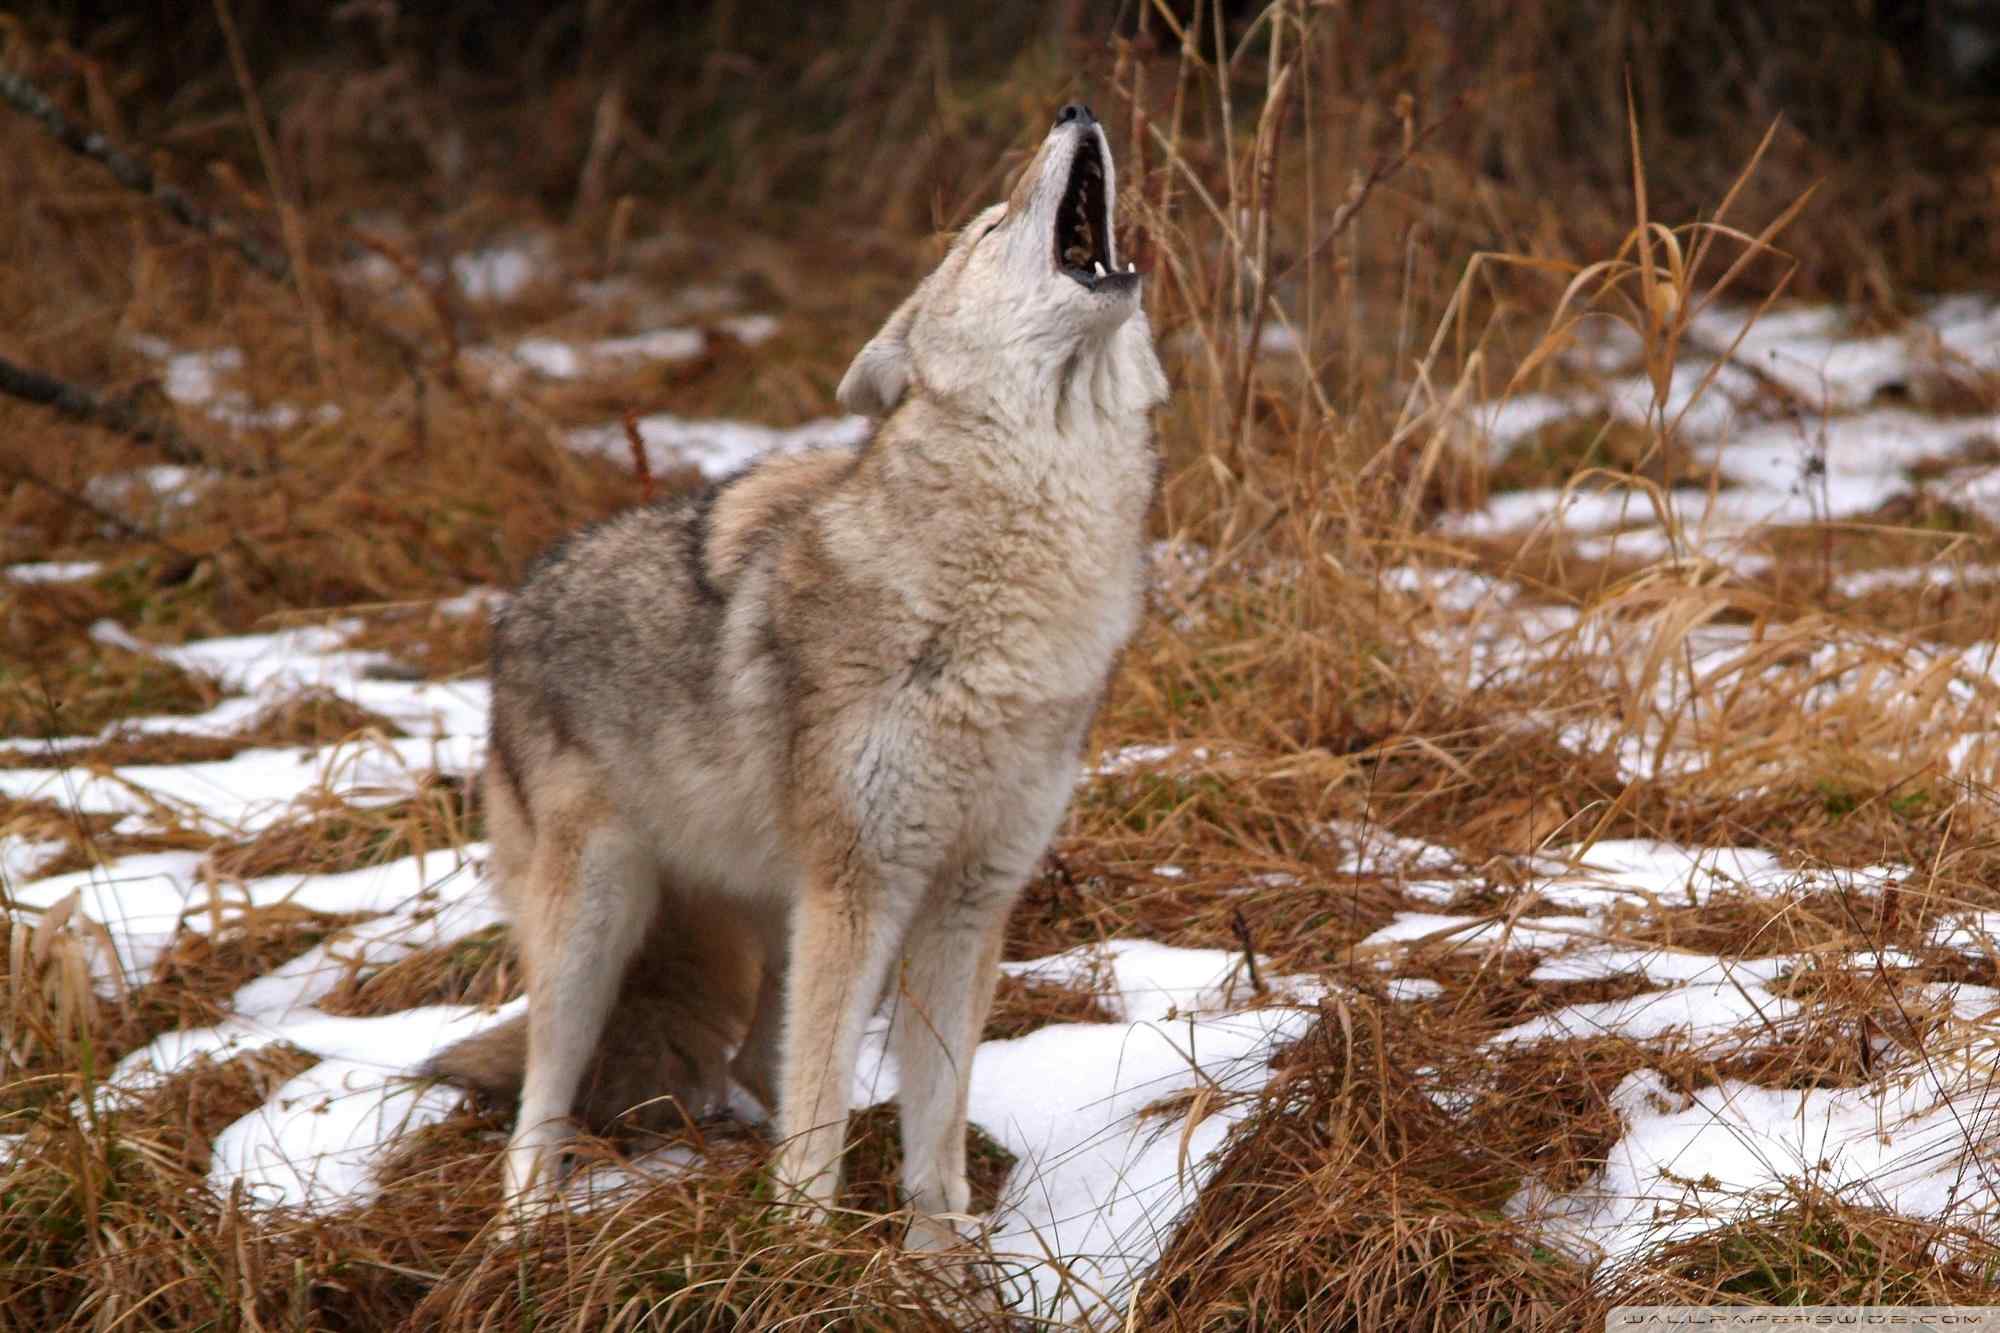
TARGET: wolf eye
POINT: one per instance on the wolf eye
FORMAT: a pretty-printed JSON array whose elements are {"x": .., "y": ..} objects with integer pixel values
[{"x": 988, "y": 232}]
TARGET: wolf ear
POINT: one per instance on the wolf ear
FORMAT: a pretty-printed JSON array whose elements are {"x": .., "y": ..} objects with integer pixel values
[{"x": 875, "y": 382}]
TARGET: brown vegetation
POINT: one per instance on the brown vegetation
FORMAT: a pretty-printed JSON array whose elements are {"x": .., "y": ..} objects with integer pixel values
[{"x": 1420, "y": 198}]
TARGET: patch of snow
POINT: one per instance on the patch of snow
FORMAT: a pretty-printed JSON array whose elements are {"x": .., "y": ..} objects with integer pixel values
[
  {"x": 169, "y": 485},
  {"x": 1809, "y": 350},
  {"x": 1704, "y": 1015},
  {"x": 1896, "y": 578},
  {"x": 54, "y": 571},
  {"x": 1840, "y": 457},
  {"x": 717, "y": 448},
  {"x": 422, "y": 904},
  {"x": 1698, "y": 403},
  {"x": 1409, "y": 990},
  {"x": 750, "y": 330},
  {"x": 1643, "y": 870},
  {"x": 1839, "y": 466},
  {"x": 1098, "y": 1186},
  {"x": 173, "y": 1053},
  {"x": 1976, "y": 934},
  {"x": 1483, "y": 932},
  {"x": 324, "y": 1135},
  {"x": 1505, "y": 422},
  {"x": 267, "y": 669},
  {"x": 254, "y": 789},
  {"x": 1457, "y": 590},
  {"x": 1138, "y": 981},
  {"x": 138, "y": 899},
  {"x": 555, "y": 358},
  {"x": 1602, "y": 345},
  {"x": 1373, "y": 850},
  {"x": 145, "y": 900},
  {"x": 1916, "y": 1141},
  {"x": 1661, "y": 966},
  {"x": 21, "y": 858},
  {"x": 196, "y": 379},
  {"x": 1129, "y": 758},
  {"x": 499, "y": 273},
  {"x": 473, "y": 602},
  {"x": 1640, "y": 869}
]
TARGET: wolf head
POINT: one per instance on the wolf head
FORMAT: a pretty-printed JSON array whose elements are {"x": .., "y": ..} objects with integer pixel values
[{"x": 1031, "y": 306}]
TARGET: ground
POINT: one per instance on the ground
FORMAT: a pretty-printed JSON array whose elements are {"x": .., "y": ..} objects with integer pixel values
[{"x": 1537, "y": 853}]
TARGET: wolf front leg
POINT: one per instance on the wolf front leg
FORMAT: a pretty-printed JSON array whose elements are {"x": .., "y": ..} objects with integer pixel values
[
  {"x": 847, "y": 928},
  {"x": 945, "y": 992}
]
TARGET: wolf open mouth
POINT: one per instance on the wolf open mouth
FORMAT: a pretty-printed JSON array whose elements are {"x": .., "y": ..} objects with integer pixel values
[{"x": 1083, "y": 244}]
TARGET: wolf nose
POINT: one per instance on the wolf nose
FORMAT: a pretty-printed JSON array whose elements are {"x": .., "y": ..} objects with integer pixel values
[{"x": 1075, "y": 111}]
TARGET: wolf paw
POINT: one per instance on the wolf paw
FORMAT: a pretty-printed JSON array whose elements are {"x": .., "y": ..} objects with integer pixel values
[{"x": 932, "y": 1233}]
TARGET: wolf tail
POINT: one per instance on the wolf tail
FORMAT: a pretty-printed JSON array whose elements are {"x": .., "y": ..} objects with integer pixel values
[{"x": 664, "y": 1056}]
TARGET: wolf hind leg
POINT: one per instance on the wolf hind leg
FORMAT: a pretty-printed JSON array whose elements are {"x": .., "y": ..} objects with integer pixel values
[{"x": 592, "y": 895}]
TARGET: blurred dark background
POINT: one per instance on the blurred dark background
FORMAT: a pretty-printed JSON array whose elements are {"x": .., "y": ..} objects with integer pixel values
[{"x": 890, "y": 113}]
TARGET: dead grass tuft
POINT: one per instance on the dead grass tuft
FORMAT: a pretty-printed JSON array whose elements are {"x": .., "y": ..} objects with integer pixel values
[
  {"x": 1348, "y": 1200},
  {"x": 332, "y": 836},
  {"x": 1815, "y": 1248},
  {"x": 480, "y": 969},
  {"x": 82, "y": 689},
  {"x": 1557, "y": 452}
]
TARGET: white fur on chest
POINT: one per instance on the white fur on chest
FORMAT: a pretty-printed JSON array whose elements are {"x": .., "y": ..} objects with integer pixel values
[{"x": 1022, "y": 567}]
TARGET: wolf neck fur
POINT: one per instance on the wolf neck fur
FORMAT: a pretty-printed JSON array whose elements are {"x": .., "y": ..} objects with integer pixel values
[
  {"x": 1099, "y": 387},
  {"x": 1074, "y": 434},
  {"x": 1045, "y": 489}
]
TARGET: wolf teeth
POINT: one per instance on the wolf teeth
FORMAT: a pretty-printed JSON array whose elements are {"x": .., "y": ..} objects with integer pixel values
[{"x": 1100, "y": 268}]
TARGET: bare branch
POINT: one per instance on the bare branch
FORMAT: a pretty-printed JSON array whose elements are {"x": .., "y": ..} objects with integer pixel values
[
  {"x": 77, "y": 500},
  {"x": 133, "y": 174},
  {"x": 1382, "y": 169},
  {"x": 81, "y": 404}
]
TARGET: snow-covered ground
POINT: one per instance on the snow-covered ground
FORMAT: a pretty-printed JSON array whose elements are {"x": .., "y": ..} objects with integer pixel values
[
  {"x": 1917, "y": 1137},
  {"x": 1098, "y": 1184},
  {"x": 1812, "y": 430},
  {"x": 1803, "y": 422}
]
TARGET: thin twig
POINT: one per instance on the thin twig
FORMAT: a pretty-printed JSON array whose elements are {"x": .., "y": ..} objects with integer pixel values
[
  {"x": 290, "y": 226},
  {"x": 1384, "y": 168},
  {"x": 136, "y": 531},
  {"x": 1241, "y": 925},
  {"x": 133, "y": 174},
  {"x": 76, "y": 500},
  {"x": 86, "y": 405},
  {"x": 640, "y": 463},
  {"x": 1264, "y": 180}
]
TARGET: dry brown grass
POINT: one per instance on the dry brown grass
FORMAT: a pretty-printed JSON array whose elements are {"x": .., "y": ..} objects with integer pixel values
[
  {"x": 1816, "y": 1249},
  {"x": 1352, "y": 1201},
  {"x": 1421, "y": 252}
]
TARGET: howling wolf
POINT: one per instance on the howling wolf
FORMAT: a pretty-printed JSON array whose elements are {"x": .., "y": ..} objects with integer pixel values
[{"x": 771, "y": 755}]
